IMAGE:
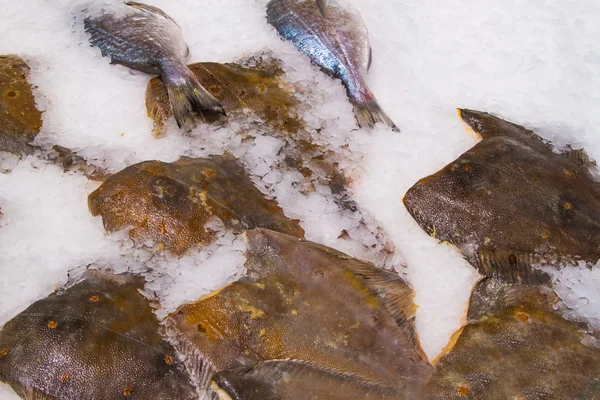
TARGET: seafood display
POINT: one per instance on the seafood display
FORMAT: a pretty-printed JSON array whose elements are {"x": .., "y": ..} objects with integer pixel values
[
  {"x": 283, "y": 313},
  {"x": 511, "y": 203},
  {"x": 148, "y": 40},
  {"x": 334, "y": 36},
  {"x": 96, "y": 340},
  {"x": 171, "y": 203}
]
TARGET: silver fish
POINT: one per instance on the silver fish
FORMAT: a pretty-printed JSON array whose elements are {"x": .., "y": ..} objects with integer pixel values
[
  {"x": 334, "y": 36},
  {"x": 148, "y": 40}
]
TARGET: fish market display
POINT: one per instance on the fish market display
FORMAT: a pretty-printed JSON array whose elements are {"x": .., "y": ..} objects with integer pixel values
[
  {"x": 335, "y": 37},
  {"x": 516, "y": 346},
  {"x": 512, "y": 203},
  {"x": 148, "y": 40},
  {"x": 171, "y": 203},
  {"x": 240, "y": 88},
  {"x": 96, "y": 340},
  {"x": 338, "y": 318},
  {"x": 20, "y": 120}
]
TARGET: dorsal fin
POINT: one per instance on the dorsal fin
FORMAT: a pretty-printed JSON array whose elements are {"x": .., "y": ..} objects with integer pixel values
[
  {"x": 150, "y": 9},
  {"x": 392, "y": 293},
  {"x": 580, "y": 157},
  {"x": 322, "y": 4}
]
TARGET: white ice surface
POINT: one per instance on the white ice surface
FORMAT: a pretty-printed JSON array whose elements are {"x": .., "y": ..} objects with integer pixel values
[{"x": 533, "y": 62}]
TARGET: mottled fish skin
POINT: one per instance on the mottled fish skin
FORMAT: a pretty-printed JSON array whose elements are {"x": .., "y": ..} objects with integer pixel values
[
  {"x": 295, "y": 380},
  {"x": 511, "y": 203},
  {"x": 337, "y": 41},
  {"x": 148, "y": 40},
  {"x": 20, "y": 120},
  {"x": 170, "y": 203},
  {"x": 239, "y": 89},
  {"x": 309, "y": 303},
  {"x": 96, "y": 340},
  {"x": 516, "y": 346}
]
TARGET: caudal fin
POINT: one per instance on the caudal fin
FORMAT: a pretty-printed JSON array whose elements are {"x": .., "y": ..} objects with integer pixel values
[
  {"x": 186, "y": 95},
  {"x": 368, "y": 113}
]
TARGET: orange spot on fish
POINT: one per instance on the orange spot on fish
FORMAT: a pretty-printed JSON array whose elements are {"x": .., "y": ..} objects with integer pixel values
[
  {"x": 94, "y": 299},
  {"x": 65, "y": 378},
  {"x": 463, "y": 391},
  {"x": 169, "y": 360},
  {"x": 127, "y": 391},
  {"x": 523, "y": 317},
  {"x": 567, "y": 205},
  {"x": 52, "y": 324},
  {"x": 4, "y": 352}
]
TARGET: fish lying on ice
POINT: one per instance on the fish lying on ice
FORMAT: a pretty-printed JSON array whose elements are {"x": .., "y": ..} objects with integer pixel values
[
  {"x": 346, "y": 323},
  {"x": 511, "y": 203},
  {"x": 148, "y": 40},
  {"x": 96, "y": 340},
  {"x": 337, "y": 40},
  {"x": 516, "y": 346},
  {"x": 20, "y": 120},
  {"x": 171, "y": 203},
  {"x": 240, "y": 88}
]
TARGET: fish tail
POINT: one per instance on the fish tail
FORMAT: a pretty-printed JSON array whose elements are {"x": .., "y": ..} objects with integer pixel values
[
  {"x": 186, "y": 94},
  {"x": 369, "y": 112}
]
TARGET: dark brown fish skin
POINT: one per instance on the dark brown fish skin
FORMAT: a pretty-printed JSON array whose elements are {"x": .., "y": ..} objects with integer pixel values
[
  {"x": 310, "y": 303},
  {"x": 237, "y": 88},
  {"x": 511, "y": 202},
  {"x": 295, "y": 380},
  {"x": 96, "y": 340},
  {"x": 516, "y": 346},
  {"x": 170, "y": 203},
  {"x": 20, "y": 120}
]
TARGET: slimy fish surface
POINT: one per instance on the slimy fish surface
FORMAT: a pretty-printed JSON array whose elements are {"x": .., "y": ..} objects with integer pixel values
[
  {"x": 148, "y": 40},
  {"x": 335, "y": 37},
  {"x": 511, "y": 203}
]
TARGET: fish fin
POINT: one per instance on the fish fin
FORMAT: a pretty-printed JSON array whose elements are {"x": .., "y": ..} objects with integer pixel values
[
  {"x": 580, "y": 157},
  {"x": 510, "y": 267},
  {"x": 157, "y": 104},
  {"x": 322, "y": 4},
  {"x": 186, "y": 94},
  {"x": 369, "y": 113},
  {"x": 150, "y": 9},
  {"x": 281, "y": 379},
  {"x": 393, "y": 294},
  {"x": 488, "y": 125}
]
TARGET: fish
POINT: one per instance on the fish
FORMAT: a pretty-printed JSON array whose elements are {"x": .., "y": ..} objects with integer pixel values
[
  {"x": 239, "y": 88},
  {"x": 295, "y": 380},
  {"x": 98, "y": 339},
  {"x": 512, "y": 203},
  {"x": 20, "y": 120},
  {"x": 148, "y": 40},
  {"x": 345, "y": 320},
  {"x": 516, "y": 346},
  {"x": 170, "y": 204},
  {"x": 336, "y": 38}
]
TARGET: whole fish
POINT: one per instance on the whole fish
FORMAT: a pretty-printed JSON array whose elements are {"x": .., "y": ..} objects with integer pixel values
[
  {"x": 335, "y": 37},
  {"x": 512, "y": 203},
  {"x": 148, "y": 40}
]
